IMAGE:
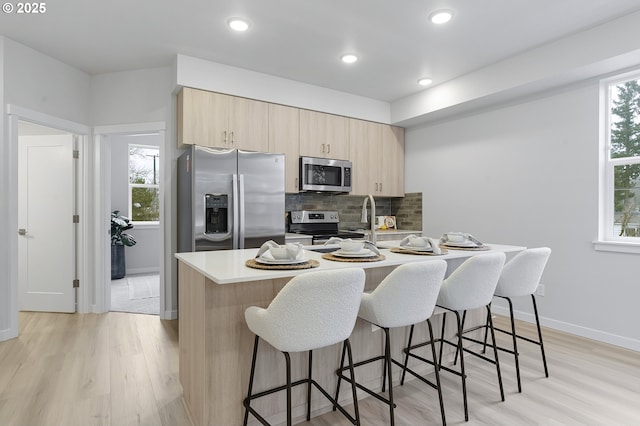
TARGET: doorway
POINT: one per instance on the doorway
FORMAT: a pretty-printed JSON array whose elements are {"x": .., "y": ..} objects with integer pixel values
[
  {"x": 135, "y": 189},
  {"x": 105, "y": 140}
]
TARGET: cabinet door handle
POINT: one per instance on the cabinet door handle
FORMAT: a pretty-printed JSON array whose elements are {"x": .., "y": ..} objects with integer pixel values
[
  {"x": 380, "y": 186},
  {"x": 232, "y": 140},
  {"x": 296, "y": 183},
  {"x": 322, "y": 148},
  {"x": 328, "y": 148},
  {"x": 224, "y": 137},
  {"x": 22, "y": 231},
  {"x": 376, "y": 186}
]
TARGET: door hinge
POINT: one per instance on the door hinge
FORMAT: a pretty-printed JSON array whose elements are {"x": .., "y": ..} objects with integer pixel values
[
  {"x": 76, "y": 154},
  {"x": 76, "y": 218},
  {"x": 76, "y": 283}
]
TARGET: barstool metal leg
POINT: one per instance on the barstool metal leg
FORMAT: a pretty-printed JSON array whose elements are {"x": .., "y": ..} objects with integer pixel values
[
  {"x": 288, "y": 361},
  {"x": 436, "y": 369},
  {"x": 387, "y": 365},
  {"x": 309, "y": 387},
  {"x": 495, "y": 352},
  {"x": 462, "y": 372},
  {"x": 247, "y": 400},
  {"x": 544, "y": 358},
  {"x": 344, "y": 352},
  {"x": 354, "y": 390},
  {"x": 514, "y": 337},
  {"x": 406, "y": 356}
]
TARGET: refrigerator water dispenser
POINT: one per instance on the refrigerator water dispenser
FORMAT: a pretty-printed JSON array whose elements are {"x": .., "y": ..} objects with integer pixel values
[{"x": 216, "y": 211}]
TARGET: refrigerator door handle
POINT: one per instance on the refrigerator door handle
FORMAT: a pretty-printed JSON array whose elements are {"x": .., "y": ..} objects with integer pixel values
[
  {"x": 236, "y": 213},
  {"x": 242, "y": 213}
]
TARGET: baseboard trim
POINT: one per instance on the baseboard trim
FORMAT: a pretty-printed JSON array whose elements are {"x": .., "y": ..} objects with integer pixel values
[
  {"x": 7, "y": 334},
  {"x": 589, "y": 333},
  {"x": 151, "y": 270}
]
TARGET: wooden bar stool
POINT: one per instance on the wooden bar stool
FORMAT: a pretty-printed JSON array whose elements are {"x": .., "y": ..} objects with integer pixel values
[
  {"x": 314, "y": 310},
  {"x": 407, "y": 296}
]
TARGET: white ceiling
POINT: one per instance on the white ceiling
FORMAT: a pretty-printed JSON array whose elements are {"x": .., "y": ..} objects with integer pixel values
[{"x": 303, "y": 39}]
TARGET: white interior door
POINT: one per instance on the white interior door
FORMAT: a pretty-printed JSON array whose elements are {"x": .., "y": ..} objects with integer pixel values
[{"x": 46, "y": 205}]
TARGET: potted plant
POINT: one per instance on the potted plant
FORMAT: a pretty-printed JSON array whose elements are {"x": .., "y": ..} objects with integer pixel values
[{"x": 119, "y": 239}]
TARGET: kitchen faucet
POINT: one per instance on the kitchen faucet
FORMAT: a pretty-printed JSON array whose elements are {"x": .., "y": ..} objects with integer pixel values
[{"x": 373, "y": 216}]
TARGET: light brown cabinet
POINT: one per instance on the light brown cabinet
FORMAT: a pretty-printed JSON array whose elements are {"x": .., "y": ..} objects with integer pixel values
[
  {"x": 218, "y": 120},
  {"x": 377, "y": 153},
  {"x": 284, "y": 134},
  {"x": 324, "y": 135}
]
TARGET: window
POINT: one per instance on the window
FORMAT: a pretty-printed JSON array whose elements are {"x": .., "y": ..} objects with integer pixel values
[
  {"x": 144, "y": 183},
  {"x": 620, "y": 218}
]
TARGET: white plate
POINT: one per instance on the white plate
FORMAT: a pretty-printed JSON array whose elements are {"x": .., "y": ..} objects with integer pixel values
[
  {"x": 361, "y": 253},
  {"x": 270, "y": 261},
  {"x": 469, "y": 244},
  {"x": 423, "y": 248}
]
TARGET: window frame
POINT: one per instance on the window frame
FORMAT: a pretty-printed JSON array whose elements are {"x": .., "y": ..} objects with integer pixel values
[
  {"x": 140, "y": 223},
  {"x": 607, "y": 240}
]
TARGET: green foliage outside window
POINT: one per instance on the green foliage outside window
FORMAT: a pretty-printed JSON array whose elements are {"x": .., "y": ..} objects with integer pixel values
[{"x": 144, "y": 179}]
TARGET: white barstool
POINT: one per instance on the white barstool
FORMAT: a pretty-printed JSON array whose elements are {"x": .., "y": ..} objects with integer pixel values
[
  {"x": 521, "y": 277},
  {"x": 470, "y": 286},
  {"x": 314, "y": 310},
  {"x": 407, "y": 296}
]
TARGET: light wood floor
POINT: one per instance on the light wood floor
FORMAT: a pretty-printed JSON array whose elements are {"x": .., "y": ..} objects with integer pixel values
[{"x": 122, "y": 369}]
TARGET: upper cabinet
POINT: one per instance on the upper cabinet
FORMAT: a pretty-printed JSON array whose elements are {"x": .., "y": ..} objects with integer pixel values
[
  {"x": 391, "y": 173},
  {"x": 284, "y": 134},
  {"x": 377, "y": 154},
  {"x": 324, "y": 135},
  {"x": 217, "y": 120}
]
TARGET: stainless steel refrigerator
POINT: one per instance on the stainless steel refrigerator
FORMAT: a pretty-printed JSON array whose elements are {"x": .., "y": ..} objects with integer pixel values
[{"x": 229, "y": 199}]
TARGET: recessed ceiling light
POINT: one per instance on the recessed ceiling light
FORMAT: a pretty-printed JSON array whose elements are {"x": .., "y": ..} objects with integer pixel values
[
  {"x": 349, "y": 58},
  {"x": 425, "y": 81},
  {"x": 238, "y": 24},
  {"x": 441, "y": 16}
]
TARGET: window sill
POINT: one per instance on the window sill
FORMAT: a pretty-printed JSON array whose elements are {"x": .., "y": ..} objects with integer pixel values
[
  {"x": 617, "y": 246},
  {"x": 146, "y": 225}
]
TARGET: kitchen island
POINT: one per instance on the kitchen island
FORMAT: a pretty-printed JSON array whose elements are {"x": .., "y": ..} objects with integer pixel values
[{"x": 215, "y": 344}]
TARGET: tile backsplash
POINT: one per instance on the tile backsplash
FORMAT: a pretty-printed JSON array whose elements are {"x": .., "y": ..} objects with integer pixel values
[{"x": 408, "y": 210}]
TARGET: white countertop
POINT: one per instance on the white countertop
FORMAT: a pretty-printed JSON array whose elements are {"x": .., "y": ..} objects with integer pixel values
[{"x": 228, "y": 266}]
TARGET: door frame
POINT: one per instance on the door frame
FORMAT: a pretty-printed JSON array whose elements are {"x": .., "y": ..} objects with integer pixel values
[
  {"x": 102, "y": 203},
  {"x": 15, "y": 114}
]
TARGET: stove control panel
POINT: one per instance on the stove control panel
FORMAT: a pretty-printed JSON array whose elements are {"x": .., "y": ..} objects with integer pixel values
[{"x": 310, "y": 216}]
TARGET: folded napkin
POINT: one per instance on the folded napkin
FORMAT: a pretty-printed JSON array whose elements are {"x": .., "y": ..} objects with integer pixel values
[
  {"x": 372, "y": 247},
  {"x": 467, "y": 237},
  {"x": 432, "y": 243},
  {"x": 265, "y": 247}
]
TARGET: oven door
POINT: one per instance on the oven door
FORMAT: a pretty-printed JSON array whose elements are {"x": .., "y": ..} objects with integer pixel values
[{"x": 321, "y": 174}]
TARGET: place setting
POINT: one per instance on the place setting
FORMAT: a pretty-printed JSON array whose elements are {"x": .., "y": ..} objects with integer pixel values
[
  {"x": 272, "y": 255},
  {"x": 462, "y": 241},
  {"x": 353, "y": 251},
  {"x": 423, "y": 246}
]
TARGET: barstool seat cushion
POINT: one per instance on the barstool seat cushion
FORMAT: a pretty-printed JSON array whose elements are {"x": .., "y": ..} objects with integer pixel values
[
  {"x": 522, "y": 274},
  {"x": 313, "y": 310},
  {"x": 483, "y": 271},
  {"x": 406, "y": 296}
]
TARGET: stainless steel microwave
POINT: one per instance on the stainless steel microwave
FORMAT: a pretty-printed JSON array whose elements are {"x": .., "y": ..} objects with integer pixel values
[{"x": 323, "y": 174}]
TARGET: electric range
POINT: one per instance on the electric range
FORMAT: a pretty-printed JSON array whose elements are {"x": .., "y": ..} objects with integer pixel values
[{"x": 321, "y": 225}]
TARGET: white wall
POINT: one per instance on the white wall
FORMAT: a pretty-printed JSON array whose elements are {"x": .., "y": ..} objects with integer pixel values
[
  {"x": 144, "y": 257},
  {"x": 527, "y": 174},
  {"x": 5, "y": 294},
  {"x": 43, "y": 84},
  {"x": 34, "y": 81}
]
